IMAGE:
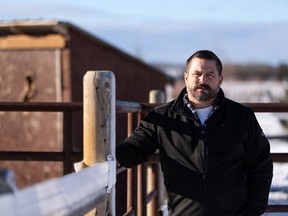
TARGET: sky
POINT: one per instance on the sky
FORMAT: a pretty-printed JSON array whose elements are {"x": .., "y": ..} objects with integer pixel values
[{"x": 158, "y": 31}]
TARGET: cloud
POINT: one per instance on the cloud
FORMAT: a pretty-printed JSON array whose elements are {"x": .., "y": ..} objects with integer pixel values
[
  {"x": 50, "y": 10},
  {"x": 164, "y": 39},
  {"x": 174, "y": 42}
]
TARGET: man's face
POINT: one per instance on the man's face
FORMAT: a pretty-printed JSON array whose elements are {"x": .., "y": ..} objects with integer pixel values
[{"x": 202, "y": 80}]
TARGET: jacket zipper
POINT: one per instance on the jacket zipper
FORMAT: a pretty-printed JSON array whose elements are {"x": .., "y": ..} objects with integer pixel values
[
  {"x": 205, "y": 165},
  {"x": 205, "y": 178}
]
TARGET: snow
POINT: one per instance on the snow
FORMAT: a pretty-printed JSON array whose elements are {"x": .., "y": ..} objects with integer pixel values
[
  {"x": 254, "y": 91},
  {"x": 272, "y": 127}
]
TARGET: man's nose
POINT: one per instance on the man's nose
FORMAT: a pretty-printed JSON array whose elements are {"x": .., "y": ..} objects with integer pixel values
[{"x": 202, "y": 78}]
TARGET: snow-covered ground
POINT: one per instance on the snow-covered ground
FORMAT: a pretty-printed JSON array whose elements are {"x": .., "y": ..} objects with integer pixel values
[
  {"x": 254, "y": 91},
  {"x": 279, "y": 189}
]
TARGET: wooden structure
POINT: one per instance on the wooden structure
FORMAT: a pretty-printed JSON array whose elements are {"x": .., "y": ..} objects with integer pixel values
[{"x": 45, "y": 61}]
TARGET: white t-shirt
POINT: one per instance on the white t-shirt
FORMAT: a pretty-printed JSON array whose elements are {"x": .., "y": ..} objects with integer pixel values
[{"x": 203, "y": 113}]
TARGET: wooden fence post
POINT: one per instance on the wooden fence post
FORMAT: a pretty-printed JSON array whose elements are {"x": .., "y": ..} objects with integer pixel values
[
  {"x": 99, "y": 129},
  {"x": 154, "y": 170}
]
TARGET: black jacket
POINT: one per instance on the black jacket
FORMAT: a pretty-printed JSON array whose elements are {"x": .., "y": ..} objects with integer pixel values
[{"x": 222, "y": 167}]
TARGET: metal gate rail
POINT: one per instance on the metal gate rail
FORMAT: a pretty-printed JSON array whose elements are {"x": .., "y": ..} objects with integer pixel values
[{"x": 67, "y": 156}]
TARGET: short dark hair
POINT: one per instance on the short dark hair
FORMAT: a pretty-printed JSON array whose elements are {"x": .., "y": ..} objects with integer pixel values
[{"x": 207, "y": 55}]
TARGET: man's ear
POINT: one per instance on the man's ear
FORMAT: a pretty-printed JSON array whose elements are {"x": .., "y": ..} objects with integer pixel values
[
  {"x": 221, "y": 79},
  {"x": 185, "y": 75}
]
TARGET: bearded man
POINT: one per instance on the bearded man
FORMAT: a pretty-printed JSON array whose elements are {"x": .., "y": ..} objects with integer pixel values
[{"x": 214, "y": 155}]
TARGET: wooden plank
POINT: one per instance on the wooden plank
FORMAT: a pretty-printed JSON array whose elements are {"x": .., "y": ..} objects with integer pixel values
[
  {"x": 32, "y": 42},
  {"x": 73, "y": 194}
]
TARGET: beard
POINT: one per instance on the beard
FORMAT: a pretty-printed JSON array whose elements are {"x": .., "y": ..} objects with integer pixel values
[{"x": 204, "y": 92}]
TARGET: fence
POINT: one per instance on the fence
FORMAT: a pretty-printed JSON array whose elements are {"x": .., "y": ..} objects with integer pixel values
[
  {"x": 67, "y": 156},
  {"x": 77, "y": 193},
  {"x": 94, "y": 186}
]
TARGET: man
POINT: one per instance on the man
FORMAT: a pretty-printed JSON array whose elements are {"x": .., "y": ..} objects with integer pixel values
[{"x": 214, "y": 156}]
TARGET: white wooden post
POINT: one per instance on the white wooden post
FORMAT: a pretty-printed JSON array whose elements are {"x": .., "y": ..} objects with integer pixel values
[
  {"x": 155, "y": 96},
  {"x": 99, "y": 129}
]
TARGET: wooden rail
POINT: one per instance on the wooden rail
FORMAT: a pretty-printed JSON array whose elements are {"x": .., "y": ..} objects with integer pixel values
[{"x": 72, "y": 194}]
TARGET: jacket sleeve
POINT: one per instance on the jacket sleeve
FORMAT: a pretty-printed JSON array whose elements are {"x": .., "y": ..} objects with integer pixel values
[
  {"x": 259, "y": 167},
  {"x": 139, "y": 145}
]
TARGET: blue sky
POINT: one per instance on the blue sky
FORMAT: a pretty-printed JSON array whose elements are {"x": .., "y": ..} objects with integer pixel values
[{"x": 169, "y": 31}]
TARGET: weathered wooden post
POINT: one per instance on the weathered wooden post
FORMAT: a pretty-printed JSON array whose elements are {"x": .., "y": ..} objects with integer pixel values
[
  {"x": 99, "y": 129},
  {"x": 155, "y": 96}
]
